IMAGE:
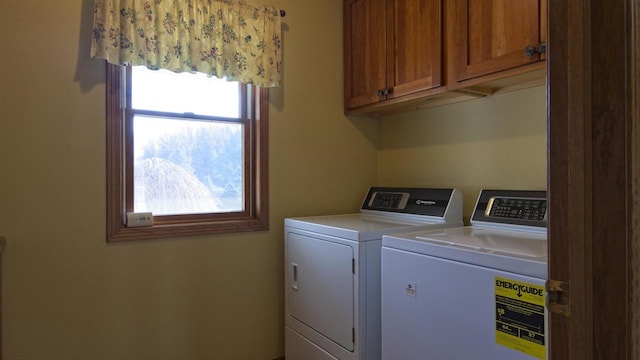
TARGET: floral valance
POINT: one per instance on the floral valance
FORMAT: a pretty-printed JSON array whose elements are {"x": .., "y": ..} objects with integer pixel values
[{"x": 223, "y": 38}]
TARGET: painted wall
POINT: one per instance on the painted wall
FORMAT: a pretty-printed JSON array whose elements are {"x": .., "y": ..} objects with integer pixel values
[
  {"x": 69, "y": 295},
  {"x": 496, "y": 142}
]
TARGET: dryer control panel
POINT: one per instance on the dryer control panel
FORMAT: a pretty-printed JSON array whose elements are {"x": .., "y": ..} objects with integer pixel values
[
  {"x": 389, "y": 200},
  {"x": 417, "y": 201}
]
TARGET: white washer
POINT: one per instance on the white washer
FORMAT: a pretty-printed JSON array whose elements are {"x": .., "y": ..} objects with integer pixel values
[
  {"x": 332, "y": 270},
  {"x": 473, "y": 292}
]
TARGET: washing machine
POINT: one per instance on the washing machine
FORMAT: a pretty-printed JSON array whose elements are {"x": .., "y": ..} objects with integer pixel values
[
  {"x": 332, "y": 270},
  {"x": 471, "y": 292}
]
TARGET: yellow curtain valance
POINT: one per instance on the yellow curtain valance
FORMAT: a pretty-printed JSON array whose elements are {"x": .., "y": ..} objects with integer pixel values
[{"x": 223, "y": 38}]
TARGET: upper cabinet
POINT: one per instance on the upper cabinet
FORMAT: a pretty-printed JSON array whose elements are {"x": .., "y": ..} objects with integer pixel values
[
  {"x": 408, "y": 54},
  {"x": 488, "y": 37},
  {"x": 393, "y": 49}
]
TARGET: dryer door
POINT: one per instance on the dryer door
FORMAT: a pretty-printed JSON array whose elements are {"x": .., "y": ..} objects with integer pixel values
[{"x": 320, "y": 286}]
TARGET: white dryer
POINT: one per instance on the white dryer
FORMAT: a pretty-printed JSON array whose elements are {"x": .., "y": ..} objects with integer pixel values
[
  {"x": 473, "y": 292},
  {"x": 332, "y": 270}
]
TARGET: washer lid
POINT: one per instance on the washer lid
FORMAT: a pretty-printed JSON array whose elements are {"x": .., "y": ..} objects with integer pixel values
[{"x": 520, "y": 252}]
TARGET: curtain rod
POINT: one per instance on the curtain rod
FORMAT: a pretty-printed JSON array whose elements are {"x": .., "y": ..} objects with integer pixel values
[{"x": 283, "y": 13}]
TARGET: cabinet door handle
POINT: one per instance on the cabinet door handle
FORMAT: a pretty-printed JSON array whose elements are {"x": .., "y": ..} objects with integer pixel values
[
  {"x": 532, "y": 50},
  {"x": 385, "y": 92},
  {"x": 542, "y": 48},
  {"x": 294, "y": 273}
]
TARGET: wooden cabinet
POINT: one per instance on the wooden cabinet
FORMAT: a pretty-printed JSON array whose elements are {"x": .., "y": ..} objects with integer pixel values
[
  {"x": 392, "y": 49},
  {"x": 488, "y": 37},
  {"x": 364, "y": 51},
  {"x": 408, "y": 54}
]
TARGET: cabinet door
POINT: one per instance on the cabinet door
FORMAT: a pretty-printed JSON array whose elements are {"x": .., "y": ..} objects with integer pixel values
[
  {"x": 489, "y": 36},
  {"x": 364, "y": 51},
  {"x": 415, "y": 59}
]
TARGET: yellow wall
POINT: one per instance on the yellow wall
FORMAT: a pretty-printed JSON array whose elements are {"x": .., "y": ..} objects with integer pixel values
[
  {"x": 497, "y": 142},
  {"x": 67, "y": 294}
]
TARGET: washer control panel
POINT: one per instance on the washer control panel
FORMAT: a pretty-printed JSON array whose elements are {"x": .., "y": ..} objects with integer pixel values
[
  {"x": 513, "y": 207},
  {"x": 517, "y": 208}
]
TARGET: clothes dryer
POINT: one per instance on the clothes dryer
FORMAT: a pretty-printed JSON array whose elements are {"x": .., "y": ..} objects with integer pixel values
[
  {"x": 474, "y": 292},
  {"x": 332, "y": 270}
]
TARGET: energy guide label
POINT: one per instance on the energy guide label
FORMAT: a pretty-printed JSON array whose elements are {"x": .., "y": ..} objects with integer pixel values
[{"x": 520, "y": 316}]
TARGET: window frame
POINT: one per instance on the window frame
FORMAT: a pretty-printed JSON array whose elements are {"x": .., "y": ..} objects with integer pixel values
[{"x": 119, "y": 133}]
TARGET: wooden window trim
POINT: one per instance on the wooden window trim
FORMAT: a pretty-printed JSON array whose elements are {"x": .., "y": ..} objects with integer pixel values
[{"x": 256, "y": 214}]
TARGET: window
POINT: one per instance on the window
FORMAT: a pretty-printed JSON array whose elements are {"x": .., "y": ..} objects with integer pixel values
[{"x": 188, "y": 148}]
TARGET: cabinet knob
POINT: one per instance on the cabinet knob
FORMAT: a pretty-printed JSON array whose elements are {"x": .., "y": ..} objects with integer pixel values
[
  {"x": 532, "y": 50},
  {"x": 385, "y": 91},
  {"x": 542, "y": 48}
]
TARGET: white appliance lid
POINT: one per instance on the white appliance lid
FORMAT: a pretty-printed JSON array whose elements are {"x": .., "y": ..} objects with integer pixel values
[
  {"x": 520, "y": 252},
  {"x": 387, "y": 210},
  {"x": 360, "y": 227}
]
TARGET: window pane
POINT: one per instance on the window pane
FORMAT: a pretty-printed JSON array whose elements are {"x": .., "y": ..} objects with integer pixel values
[
  {"x": 162, "y": 90},
  {"x": 187, "y": 166}
]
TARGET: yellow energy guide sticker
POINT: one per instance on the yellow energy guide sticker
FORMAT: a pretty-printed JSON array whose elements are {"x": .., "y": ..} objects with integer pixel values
[{"x": 520, "y": 316}]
